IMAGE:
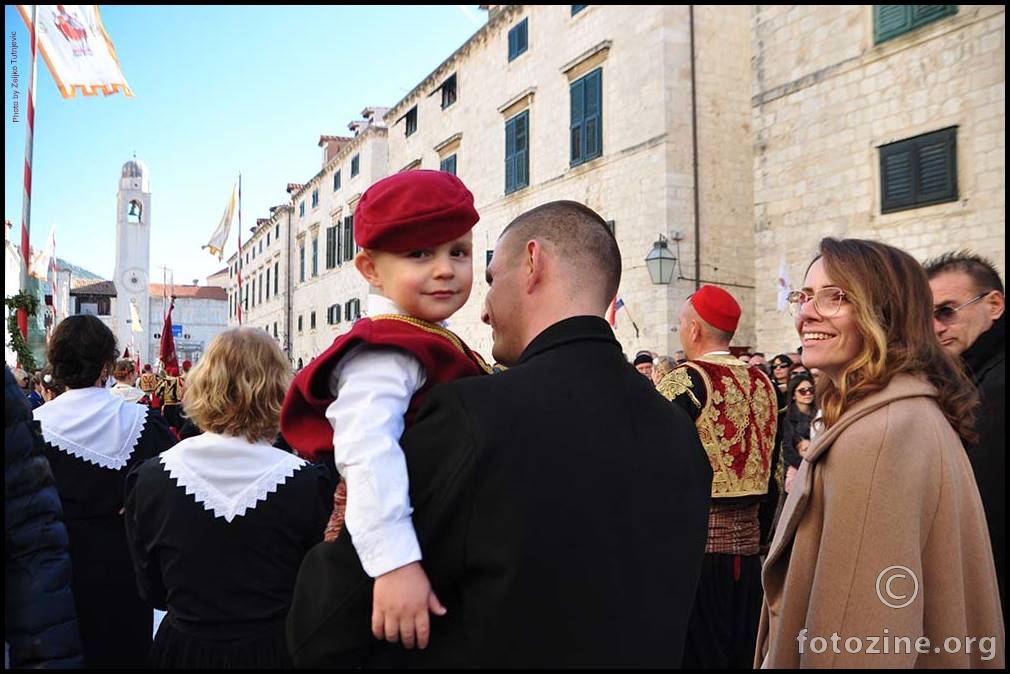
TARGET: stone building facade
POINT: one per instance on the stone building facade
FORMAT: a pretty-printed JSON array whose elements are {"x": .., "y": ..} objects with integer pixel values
[
  {"x": 829, "y": 92},
  {"x": 742, "y": 134}
]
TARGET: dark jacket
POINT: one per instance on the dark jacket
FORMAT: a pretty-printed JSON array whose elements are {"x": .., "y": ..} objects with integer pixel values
[
  {"x": 795, "y": 427},
  {"x": 986, "y": 363},
  {"x": 562, "y": 509},
  {"x": 40, "y": 623}
]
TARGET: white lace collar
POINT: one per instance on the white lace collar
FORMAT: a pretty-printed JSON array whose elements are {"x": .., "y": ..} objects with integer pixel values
[
  {"x": 93, "y": 424},
  {"x": 228, "y": 475}
]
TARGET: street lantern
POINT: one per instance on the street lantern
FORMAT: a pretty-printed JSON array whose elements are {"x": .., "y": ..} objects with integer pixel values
[{"x": 660, "y": 261}]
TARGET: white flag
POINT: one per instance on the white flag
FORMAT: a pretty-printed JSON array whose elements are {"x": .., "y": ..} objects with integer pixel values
[
  {"x": 783, "y": 285},
  {"x": 220, "y": 235},
  {"x": 44, "y": 259},
  {"x": 77, "y": 49},
  {"x": 135, "y": 325}
]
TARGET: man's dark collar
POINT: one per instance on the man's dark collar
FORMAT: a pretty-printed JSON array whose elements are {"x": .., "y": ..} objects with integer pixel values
[
  {"x": 577, "y": 328},
  {"x": 988, "y": 343}
]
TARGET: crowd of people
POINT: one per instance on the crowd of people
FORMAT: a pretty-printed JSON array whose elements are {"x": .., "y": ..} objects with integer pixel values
[{"x": 400, "y": 502}]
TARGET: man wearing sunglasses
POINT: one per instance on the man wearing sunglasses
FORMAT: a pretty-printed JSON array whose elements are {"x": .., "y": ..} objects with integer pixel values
[{"x": 968, "y": 316}]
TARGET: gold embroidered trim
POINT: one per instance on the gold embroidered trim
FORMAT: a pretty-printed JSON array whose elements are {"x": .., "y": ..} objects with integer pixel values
[
  {"x": 677, "y": 383},
  {"x": 441, "y": 332}
]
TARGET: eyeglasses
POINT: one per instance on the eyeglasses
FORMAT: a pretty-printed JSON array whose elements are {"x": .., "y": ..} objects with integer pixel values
[
  {"x": 827, "y": 300},
  {"x": 781, "y": 366},
  {"x": 805, "y": 391},
  {"x": 948, "y": 314}
]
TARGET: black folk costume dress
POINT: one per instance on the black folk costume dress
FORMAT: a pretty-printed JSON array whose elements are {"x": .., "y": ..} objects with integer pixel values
[
  {"x": 93, "y": 439},
  {"x": 218, "y": 528}
]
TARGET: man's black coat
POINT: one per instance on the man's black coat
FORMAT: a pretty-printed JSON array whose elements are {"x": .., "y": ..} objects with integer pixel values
[{"x": 562, "y": 510}]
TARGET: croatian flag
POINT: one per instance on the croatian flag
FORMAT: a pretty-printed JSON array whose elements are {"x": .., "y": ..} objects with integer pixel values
[{"x": 615, "y": 305}]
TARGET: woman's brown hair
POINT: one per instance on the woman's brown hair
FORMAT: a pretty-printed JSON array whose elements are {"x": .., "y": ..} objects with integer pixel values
[{"x": 893, "y": 308}]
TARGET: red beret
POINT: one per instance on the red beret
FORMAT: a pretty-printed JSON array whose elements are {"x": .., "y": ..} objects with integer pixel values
[
  {"x": 413, "y": 209},
  {"x": 717, "y": 308}
]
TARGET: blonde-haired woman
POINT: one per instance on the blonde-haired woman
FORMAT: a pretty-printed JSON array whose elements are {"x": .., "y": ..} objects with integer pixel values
[
  {"x": 882, "y": 540},
  {"x": 220, "y": 523}
]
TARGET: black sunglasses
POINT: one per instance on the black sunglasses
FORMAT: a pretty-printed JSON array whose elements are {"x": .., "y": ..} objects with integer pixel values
[{"x": 946, "y": 314}]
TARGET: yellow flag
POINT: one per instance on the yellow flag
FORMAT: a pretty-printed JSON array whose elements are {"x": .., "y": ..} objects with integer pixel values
[{"x": 220, "y": 235}]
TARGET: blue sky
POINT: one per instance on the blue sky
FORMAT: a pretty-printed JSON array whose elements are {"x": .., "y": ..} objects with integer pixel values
[{"x": 216, "y": 91}]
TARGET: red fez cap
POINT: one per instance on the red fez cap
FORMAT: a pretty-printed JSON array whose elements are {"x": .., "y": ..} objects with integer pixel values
[
  {"x": 413, "y": 209},
  {"x": 717, "y": 308}
]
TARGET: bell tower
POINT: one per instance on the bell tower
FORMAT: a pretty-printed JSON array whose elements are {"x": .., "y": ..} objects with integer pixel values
[{"x": 133, "y": 259}]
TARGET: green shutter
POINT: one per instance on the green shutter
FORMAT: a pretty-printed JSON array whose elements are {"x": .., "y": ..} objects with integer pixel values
[
  {"x": 936, "y": 161},
  {"x": 890, "y": 21},
  {"x": 578, "y": 97},
  {"x": 510, "y": 155},
  {"x": 594, "y": 114},
  {"x": 522, "y": 150}
]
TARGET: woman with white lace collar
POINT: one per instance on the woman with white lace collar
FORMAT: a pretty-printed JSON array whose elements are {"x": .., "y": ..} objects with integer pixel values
[
  {"x": 93, "y": 439},
  {"x": 220, "y": 523}
]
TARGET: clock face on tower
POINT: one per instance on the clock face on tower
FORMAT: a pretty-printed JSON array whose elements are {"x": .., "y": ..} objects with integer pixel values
[{"x": 134, "y": 279}]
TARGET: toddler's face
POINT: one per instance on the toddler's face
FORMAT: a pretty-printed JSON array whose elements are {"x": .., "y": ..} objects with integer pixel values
[{"x": 429, "y": 283}]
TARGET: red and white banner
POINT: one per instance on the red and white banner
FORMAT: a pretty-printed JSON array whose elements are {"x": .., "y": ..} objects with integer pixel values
[{"x": 77, "y": 50}]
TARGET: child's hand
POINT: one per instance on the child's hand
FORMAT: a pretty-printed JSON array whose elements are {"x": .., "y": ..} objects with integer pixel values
[{"x": 401, "y": 600}]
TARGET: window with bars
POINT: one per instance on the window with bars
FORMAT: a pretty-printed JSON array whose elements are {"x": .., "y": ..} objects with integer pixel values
[
  {"x": 587, "y": 117},
  {"x": 517, "y": 158},
  {"x": 890, "y": 21},
  {"x": 919, "y": 171}
]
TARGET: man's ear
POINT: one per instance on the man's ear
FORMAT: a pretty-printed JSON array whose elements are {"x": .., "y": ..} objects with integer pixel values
[
  {"x": 365, "y": 264},
  {"x": 533, "y": 264},
  {"x": 995, "y": 305}
]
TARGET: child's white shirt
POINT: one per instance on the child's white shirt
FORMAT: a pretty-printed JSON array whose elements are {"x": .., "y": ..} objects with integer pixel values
[{"x": 373, "y": 386}]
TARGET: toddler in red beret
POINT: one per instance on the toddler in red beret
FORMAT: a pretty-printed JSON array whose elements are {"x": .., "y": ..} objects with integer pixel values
[{"x": 356, "y": 398}]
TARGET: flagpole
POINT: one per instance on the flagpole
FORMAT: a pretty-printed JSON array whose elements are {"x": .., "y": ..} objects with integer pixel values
[
  {"x": 630, "y": 318},
  {"x": 26, "y": 202},
  {"x": 239, "y": 309}
]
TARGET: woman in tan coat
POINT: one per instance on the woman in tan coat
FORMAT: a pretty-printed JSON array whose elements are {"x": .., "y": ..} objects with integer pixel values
[{"x": 881, "y": 557}]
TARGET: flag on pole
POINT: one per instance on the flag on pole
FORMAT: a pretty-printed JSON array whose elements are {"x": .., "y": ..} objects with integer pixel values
[
  {"x": 783, "y": 285},
  {"x": 168, "y": 357},
  {"x": 616, "y": 305},
  {"x": 77, "y": 50},
  {"x": 135, "y": 324},
  {"x": 220, "y": 235}
]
